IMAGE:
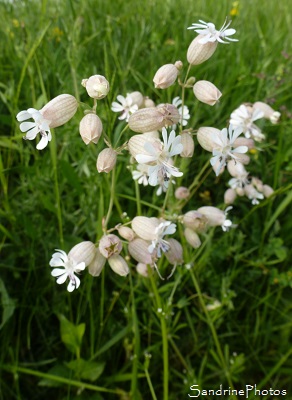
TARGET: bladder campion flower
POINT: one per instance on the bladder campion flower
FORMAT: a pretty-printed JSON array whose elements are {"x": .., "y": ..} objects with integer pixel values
[
  {"x": 210, "y": 33},
  {"x": 224, "y": 143},
  {"x": 244, "y": 117},
  {"x": 40, "y": 125},
  {"x": 55, "y": 113},
  {"x": 183, "y": 112},
  {"x": 125, "y": 106},
  {"x": 77, "y": 259},
  {"x": 159, "y": 158}
]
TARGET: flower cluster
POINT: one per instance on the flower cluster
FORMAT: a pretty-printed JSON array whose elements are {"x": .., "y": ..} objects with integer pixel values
[{"x": 156, "y": 145}]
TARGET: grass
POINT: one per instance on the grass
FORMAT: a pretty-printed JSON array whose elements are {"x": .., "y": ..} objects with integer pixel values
[{"x": 137, "y": 338}]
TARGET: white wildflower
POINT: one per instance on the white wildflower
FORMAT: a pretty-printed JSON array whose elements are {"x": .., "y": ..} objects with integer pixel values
[
  {"x": 211, "y": 34},
  {"x": 158, "y": 157},
  {"x": 183, "y": 112},
  {"x": 244, "y": 117},
  {"x": 126, "y": 107},
  {"x": 158, "y": 243},
  {"x": 141, "y": 174},
  {"x": 40, "y": 125},
  {"x": 253, "y": 194},
  {"x": 70, "y": 267},
  {"x": 224, "y": 143}
]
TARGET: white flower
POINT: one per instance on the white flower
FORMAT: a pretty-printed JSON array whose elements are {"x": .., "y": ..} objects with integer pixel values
[
  {"x": 40, "y": 125},
  {"x": 253, "y": 194},
  {"x": 141, "y": 175},
  {"x": 210, "y": 33},
  {"x": 158, "y": 243},
  {"x": 183, "y": 112},
  {"x": 244, "y": 117},
  {"x": 224, "y": 143},
  {"x": 227, "y": 223},
  {"x": 126, "y": 107},
  {"x": 158, "y": 157},
  {"x": 70, "y": 267},
  {"x": 238, "y": 182}
]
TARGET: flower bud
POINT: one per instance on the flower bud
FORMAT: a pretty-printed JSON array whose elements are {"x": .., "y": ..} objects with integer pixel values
[
  {"x": 137, "y": 142},
  {"x": 137, "y": 98},
  {"x": 188, "y": 145},
  {"x": 126, "y": 233},
  {"x": 268, "y": 111},
  {"x": 170, "y": 114},
  {"x": 236, "y": 169},
  {"x": 182, "y": 193},
  {"x": 110, "y": 245},
  {"x": 142, "y": 269},
  {"x": 146, "y": 119},
  {"x": 90, "y": 128},
  {"x": 251, "y": 192},
  {"x": 198, "y": 52},
  {"x": 192, "y": 238},
  {"x": 97, "y": 264},
  {"x": 243, "y": 158},
  {"x": 195, "y": 221},
  {"x": 165, "y": 76},
  {"x": 106, "y": 160},
  {"x": 204, "y": 136},
  {"x": 267, "y": 190},
  {"x": 175, "y": 253},
  {"x": 147, "y": 103},
  {"x": 144, "y": 227},
  {"x": 206, "y": 92},
  {"x": 216, "y": 217},
  {"x": 152, "y": 134},
  {"x": 257, "y": 183},
  {"x": 243, "y": 141},
  {"x": 240, "y": 191},
  {"x": 119, "y": 265},
  {"x": 229, "y": 196},
  {"x": 59, "y": 110},
  {"x": 96, "y": 86},
  {"x": 82, "y": 252},
  {"x": 138, "y": 248}
]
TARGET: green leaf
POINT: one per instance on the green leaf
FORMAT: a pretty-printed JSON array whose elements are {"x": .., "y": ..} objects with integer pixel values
[
  {"x": 88, "y": 370},
  {"x": 71, "y": 334},
  {"x": 7, "y": 303},
  {"x": 58, "y": 370}
]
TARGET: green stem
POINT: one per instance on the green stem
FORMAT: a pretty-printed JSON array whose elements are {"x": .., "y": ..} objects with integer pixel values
[
  {"x": 110, "y": 206},
  {"x": 150, "y": 383},
  {"x": 53, "y": 152},
  {"x": 134, "y": 393},
  {"x": 138, "y": 198},
  {"x": 121, "y": 133},
  {"x": 213, "y": 330},
  {"x": 164, "y": 339},
  {"x": 56, "y": 378}
]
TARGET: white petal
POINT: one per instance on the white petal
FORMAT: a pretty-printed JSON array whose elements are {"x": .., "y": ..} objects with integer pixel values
[
  {"x": 62, "y": 279},
  {"x": 57, "y": 262},
  {"x": 116, "y": 107},
  {"x": 58, "y": 272},
  {"x": 23, "y": 115},
  {"x": 80, "y": 267},
  {"x": 31, "y": 134},
  {"x": 71, "y": 286},
  {"x": 240, "y": 149},
  {"x": 144, "y": 159},
  {"x": 26, "y": 126},
  {"x": 42, "y": 143}
]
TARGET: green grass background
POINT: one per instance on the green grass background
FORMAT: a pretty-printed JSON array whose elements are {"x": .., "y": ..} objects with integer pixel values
[{"x": 55, "y": 199}]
